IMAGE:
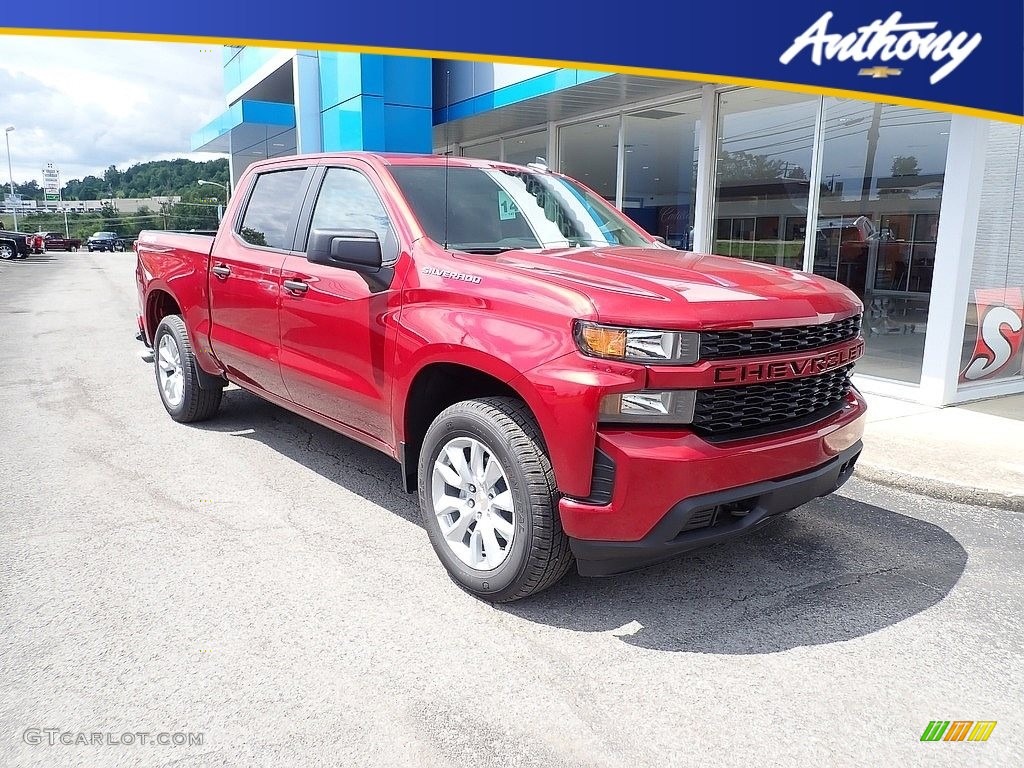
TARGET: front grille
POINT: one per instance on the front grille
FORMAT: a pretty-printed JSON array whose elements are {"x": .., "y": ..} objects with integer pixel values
[
  {"x": 721, "y": 345},
  {"x": 732, "y": 411}
]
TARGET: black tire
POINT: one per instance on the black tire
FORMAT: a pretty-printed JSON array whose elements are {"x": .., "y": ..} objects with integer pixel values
[
  {"x": 197, "y": 404},
  {"x": 7, "y": 252},
  {"x": 539, "y": 554}
]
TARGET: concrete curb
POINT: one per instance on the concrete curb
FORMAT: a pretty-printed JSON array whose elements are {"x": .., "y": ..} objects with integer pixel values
[{"x": 939, "y": 489}]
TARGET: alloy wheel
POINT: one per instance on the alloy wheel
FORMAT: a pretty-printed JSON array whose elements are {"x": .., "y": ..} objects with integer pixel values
[
  {"x": 473, "y": 503},
  {"x": 172, "y": 378}
]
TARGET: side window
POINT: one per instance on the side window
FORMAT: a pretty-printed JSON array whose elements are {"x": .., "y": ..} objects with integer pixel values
[
  {"x": 348, "y": 201},
  {"x": 269, "y": 215}
]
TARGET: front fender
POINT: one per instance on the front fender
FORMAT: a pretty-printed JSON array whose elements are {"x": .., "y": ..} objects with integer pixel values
[{"x": 538, "y": 362}]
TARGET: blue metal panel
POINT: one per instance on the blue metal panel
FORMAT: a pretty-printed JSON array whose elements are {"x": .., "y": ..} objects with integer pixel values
[
  {"x": 548, "y": 82},
  {"x": 243, "y": 112},
  {"x": 375, "y": 102},
  {"x": 407, "y": 129},
  {"x": 354, "y": 124},
  {"x": 340, "y": 77},
  {"x": 244, "y": 64},
  {"x": 407, "y": 81}
]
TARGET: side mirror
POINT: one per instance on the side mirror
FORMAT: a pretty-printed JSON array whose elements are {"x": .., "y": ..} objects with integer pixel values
[{"x": 355, "y": 249}]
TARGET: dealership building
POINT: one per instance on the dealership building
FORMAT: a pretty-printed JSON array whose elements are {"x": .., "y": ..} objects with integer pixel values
[{"x": 919, "y": 212}]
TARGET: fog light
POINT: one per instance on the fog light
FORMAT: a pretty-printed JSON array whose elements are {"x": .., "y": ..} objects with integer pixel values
[{"x": 670, "y": 406}]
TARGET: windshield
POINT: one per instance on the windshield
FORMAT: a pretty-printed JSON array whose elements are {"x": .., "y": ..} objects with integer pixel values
[{"x": 497, "y": 209}]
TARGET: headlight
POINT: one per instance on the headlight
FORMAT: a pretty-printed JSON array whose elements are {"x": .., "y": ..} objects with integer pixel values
[
  {"x": 637, "y": 345},
  {"x": 670, "y": 406}
]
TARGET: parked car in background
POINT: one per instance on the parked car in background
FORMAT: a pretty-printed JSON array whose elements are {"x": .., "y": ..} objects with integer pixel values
[
  {"x": 105, "y": 241},
  {"x": 55, "y": 241},
  {"x": 14, "y": 245}
]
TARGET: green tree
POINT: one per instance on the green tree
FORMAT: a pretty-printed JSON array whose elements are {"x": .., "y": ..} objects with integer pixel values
[
  {"x": 152, "y": 179},
  {"x": 905, "y": 165},
  {"x": 748, "y": 166}
]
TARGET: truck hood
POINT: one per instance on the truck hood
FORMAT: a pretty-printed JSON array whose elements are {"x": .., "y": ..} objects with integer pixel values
[{"x": 678, "y": 289}]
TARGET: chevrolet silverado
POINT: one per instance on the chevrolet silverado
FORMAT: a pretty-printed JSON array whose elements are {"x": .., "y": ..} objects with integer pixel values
[{"x": 558, "y": 386}]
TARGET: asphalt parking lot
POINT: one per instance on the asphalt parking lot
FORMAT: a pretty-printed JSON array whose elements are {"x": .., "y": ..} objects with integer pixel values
[{"x": 263, "y": 582}]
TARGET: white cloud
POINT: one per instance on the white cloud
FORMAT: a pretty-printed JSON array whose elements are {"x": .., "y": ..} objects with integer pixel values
[{"x": 86, "y": 104}]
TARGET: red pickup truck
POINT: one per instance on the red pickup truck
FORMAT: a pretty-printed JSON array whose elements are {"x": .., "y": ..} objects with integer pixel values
[
  {"x": 55, "y": 241},
  {"x": 557, "y": 385}
]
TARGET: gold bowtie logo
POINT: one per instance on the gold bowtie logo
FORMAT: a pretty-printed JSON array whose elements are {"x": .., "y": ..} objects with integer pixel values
[{"x": 880, "y": 71}]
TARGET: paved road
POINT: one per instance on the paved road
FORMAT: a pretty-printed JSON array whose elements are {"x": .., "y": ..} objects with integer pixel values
[{"x": 264, "y": 582}]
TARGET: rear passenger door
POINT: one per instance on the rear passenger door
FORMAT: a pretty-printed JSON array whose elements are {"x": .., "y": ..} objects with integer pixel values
[
  {"x": 245, "y": 280},
  {"x": 333, "y": 319}
]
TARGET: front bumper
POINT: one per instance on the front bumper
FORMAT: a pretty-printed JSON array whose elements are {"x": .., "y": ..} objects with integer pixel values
[
  {"x": 664, "y": 480},
  {"x": 722, "y": 515}
]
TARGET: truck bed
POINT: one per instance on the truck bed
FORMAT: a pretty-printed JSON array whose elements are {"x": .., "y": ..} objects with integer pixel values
[
  {"x": 181, "y": 260},
  {"x": 194, "y": 242}
]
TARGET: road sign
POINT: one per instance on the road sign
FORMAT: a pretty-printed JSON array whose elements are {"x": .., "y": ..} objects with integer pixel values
[{"x": 51, "y": 182}]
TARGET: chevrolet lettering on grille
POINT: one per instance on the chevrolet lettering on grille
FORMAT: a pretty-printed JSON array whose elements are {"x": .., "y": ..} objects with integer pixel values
[{"x": 776, "y": 370}]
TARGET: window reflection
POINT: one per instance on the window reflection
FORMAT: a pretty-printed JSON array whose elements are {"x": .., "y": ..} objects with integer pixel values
[
  {"x": 526, "y": 149},
  {"x": 660, "y": 167},
  {"x": 764, "y": 154},
  {"x": 588, "y": 152},
  {"x": 878, "y": 217},
  {"x": 489, "y": 150}
]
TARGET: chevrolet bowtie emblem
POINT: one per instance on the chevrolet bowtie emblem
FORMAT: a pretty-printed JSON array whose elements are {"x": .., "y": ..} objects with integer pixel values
[{"x": 880, "y": 71}]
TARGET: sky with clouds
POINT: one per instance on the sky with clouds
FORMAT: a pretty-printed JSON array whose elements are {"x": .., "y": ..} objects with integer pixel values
[{"x": 86, "y": 104}]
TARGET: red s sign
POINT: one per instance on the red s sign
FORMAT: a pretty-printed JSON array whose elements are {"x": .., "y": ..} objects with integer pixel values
[{"x": 997, "y": 351}]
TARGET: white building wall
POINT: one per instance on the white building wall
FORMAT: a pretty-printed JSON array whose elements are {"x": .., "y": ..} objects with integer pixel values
[{"x": 998, "y": 256}]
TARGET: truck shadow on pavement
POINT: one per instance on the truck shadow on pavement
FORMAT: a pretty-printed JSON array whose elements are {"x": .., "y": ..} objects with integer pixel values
[{"x": 833, "y": 570}]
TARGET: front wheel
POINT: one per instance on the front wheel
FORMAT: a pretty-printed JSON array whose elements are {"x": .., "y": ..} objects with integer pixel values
[
  {"x": 177, "y": 374},
  {"x": 489, "y": 501}
]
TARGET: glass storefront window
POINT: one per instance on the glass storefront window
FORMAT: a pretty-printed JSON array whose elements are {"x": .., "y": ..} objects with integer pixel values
[
  {"x": 660, "y": 170},
  {"x": 993, "y": 342},
  {"x": 526, "y": 148},
  {"x": 588, "y": 152},
  {"x": 765, "y": 145},
  {"x": 882, "y": 172},
  {"x": 489, "y": 150}
]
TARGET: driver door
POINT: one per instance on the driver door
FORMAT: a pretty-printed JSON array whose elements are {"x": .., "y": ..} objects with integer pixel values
[{"x": 333, "y": 319}]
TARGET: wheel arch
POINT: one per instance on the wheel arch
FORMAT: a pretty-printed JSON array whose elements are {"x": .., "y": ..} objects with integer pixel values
[
  {"x": 439, "y": 383},
  {"x": 159, "y": 304}
]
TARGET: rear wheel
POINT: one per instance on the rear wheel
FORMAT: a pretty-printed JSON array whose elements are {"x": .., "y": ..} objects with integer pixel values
[
  {"x": 489, "y": 502},
  {"x": 7, "y": 251},
  {"x": 177, "y": 374}
]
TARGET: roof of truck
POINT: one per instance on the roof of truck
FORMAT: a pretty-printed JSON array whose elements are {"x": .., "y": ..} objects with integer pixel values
[{"x": 391, "y": 158}]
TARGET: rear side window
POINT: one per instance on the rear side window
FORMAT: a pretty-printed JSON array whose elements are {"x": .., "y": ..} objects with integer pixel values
[{"x": 269, "y": 217}]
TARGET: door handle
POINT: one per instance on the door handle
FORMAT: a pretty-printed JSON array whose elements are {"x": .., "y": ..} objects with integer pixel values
[
  {"x": 221, "y": 270},
  {"x": 296, "y": 286}
]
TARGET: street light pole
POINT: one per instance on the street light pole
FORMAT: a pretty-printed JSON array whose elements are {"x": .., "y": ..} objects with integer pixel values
[{"x": 10, "y": 171}]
